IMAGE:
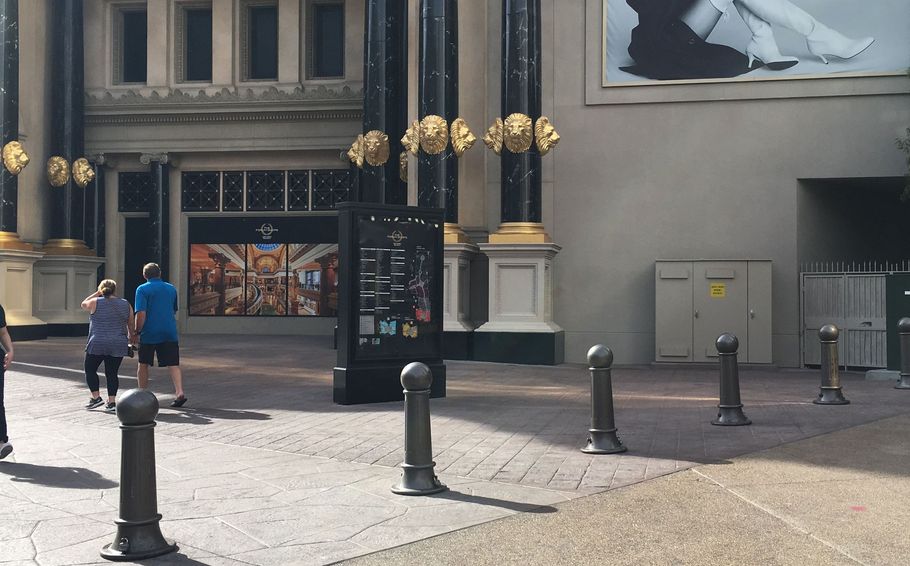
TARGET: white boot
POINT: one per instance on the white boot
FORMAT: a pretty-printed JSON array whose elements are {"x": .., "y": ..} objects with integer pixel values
[
  {"x": 820, "y": 39},
  {"x": 763, "y": 46}
]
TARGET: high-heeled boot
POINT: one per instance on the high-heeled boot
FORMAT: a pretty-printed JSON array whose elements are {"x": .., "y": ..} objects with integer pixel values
[
  {"x": 822, "y": 41},
  {"x": 763, "y": 46}
]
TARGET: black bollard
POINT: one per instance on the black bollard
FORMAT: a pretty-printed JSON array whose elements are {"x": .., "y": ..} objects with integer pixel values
[
  {"x": 138, "y": 534},
  {"x": 417, "y": 475},
  {"x": 831, "y": 393},
  {"x": 903, "y": 327},
  {"x": 602, "y": 437},
  {"x": 730, "y": 408}
]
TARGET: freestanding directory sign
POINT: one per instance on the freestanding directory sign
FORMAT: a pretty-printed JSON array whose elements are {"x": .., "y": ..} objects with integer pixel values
[{"x": 390, "y": 300}]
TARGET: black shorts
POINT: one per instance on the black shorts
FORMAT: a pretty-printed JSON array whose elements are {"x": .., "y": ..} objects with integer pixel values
[{"x": 168, "y": 354}]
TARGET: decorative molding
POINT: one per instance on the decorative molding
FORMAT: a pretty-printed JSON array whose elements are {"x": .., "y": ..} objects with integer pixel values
[
  {"x": 287, "y": 116},
  {"x": 147, "y": 158},
  {"x": 132, "y": 97}
]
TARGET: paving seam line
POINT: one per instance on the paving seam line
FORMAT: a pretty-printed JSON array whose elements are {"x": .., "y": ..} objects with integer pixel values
[{"x": 781, "y": 518}]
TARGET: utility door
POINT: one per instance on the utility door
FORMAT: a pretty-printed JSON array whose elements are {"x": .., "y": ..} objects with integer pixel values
[
  {"x": 721, "y": 299},
  {"x": 864, "y": 321},
  {"x": 673, "y": 334}
]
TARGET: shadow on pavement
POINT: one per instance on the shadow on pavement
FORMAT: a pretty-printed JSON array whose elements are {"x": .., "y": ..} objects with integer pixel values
[
  {"x": 208, "y": 416},
  {"x": 493, "y": 502},
  {"x": 53, "y": 476}
]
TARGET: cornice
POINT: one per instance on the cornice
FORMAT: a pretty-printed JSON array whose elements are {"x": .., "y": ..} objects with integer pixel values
[
  {"x": 210, "y": 117},
  {"x": 191, "y": 96}
]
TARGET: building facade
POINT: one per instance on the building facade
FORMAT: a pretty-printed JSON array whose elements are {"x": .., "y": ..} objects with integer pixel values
[{"x": 228, "y": 115}]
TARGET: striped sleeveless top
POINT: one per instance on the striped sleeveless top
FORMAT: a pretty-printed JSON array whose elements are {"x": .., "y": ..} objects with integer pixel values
[{"x": 107, "y": 328}]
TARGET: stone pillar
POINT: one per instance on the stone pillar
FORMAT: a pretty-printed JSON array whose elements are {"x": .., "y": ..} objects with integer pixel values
[
  {"x": 520, "y": 327},
  {"x": 95, "y": 234},
  {"x": 159, "y": 208},
  {"x": 384, "y": 101},
  {"x": 14, "y": 157}
]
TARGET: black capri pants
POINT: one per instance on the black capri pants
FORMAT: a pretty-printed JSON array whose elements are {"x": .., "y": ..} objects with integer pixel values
[{"x": 111, "y": 367}]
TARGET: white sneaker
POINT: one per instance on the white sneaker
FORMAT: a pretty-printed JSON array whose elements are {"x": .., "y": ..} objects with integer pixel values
[{"x": 5, "y": 450}]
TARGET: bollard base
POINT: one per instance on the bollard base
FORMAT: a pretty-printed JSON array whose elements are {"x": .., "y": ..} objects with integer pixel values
[
  {"x": 137, "y": 540},
  {"x": 831, "y": 396},
  {"x": 731, "y": 416},
  {"x": 603, "y": 442},
  {"x": 903, "y": 382},
  {"x": 418, "y": 480}
]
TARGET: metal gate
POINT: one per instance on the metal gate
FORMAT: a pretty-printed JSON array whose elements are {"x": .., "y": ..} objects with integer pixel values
[{"x": 852, "y": 297}]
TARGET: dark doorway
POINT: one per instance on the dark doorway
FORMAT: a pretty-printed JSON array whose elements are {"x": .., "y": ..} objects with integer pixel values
[{"x": 135, "y": 255}]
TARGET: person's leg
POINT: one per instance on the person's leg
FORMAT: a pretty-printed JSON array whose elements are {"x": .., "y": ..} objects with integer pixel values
[
  {"x": 702, "y": 16},
  {"x": 3, "y": 437},
  {"x": 177, "y": 378},
  {"x": 111, "y": 367},
  {"x": 146, "y": 358},
  {"x": 92, "y": 363},
  {"x": 763, "y": 46}
]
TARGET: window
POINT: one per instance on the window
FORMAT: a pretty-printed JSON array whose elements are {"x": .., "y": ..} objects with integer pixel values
[
  {"x": 130, "y": 45},
  {"x": 261, "y": 42},
  {"x": 195, "y": 38},
  {"x": 326, "y": 40}
]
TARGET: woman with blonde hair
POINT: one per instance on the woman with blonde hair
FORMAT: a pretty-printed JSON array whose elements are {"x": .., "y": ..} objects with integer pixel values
[{"x": 110, "y": 330}]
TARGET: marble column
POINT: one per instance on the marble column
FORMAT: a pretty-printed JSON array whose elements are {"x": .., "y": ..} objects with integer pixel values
[
  {"x": 159, "y": 211},
  {"x": 67, "y": 131},
  {"x": 9, "y": 121},
  {"x": 384, "y": 101}
]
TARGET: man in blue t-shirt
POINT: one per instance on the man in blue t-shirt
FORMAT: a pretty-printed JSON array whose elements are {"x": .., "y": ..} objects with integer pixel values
[{"x": 156, "y": 305}]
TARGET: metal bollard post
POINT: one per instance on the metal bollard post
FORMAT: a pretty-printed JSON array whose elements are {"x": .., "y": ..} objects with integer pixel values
[
  {"x": 138, "y": 534},
  {"x": 903, "y": 327},
  {"x": 602, "y": 437},
  {"x": 831, "y": 393},
  {"x": 730, "y": 408},
  {"x": 417, "y": 476}
]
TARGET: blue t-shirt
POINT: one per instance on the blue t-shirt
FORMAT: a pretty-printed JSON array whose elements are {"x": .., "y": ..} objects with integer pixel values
[{"x": 159, "y": 302}]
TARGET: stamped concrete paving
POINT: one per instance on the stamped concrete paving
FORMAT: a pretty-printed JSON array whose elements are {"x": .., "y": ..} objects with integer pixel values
[{"x": 508, "y": 434}]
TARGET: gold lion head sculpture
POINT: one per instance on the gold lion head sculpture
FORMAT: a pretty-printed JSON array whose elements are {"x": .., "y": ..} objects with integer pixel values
[
  {"x": 14, "y": 157},
  {"x": 83, "y": 173},
  {"x": 462, "y": 137},
  {"x": 517, "y": 132},
  {"x": 434, "y": 134},
  {"x": 493, "y": 137},
  {"x": 403, "y": 166},
  {"x": 411, "y": 138},
  {"x": 376, "y": 148},
  {"x": 545, "y": 135},
  {"x": 355, "y": 154},
  {"x": 58, "y": 171}
]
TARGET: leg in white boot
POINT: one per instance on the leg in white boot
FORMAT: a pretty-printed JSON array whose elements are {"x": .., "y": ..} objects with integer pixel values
[{"x": 763, "y": 46}]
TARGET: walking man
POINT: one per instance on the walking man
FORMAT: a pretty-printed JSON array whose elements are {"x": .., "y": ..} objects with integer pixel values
[
  {"x": 156, "y": 307},
  {"x": 5, "y": 447}
]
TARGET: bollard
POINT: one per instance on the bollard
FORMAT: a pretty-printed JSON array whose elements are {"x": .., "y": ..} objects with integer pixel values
[
  {"x": 903, "y": 327},
  {"x": 730, "y": 408},
  {"x": 417, "y": 476},
  {"x": 831, "y": 393},
  {"x": 602, "y": 437},
  {"x": 138, "y": 534}
]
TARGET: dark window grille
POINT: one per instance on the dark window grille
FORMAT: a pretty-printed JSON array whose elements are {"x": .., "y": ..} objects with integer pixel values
[
  {"x": 265, "y": 190},
  {"x": 333, "y": 186},
  {"x": 327, "y": 40},
  {"x": 134, "y": 191},
  {"x": 232, "y": 192},
  {"x": 198, "y": 41},
  {"x": 263, "y": 42},
  {"x": 298, "y": 190},
  {"x": 200, "y": 191}
]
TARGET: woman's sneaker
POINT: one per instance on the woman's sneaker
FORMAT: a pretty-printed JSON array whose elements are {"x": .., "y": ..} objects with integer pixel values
[
  {"x": 5, "y": 449},
  {"x": 96, "y": 402},
  {"x": 111, "y": 407}
]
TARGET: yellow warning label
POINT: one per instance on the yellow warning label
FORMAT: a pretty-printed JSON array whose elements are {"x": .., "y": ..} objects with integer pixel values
[{"x": 718, "y": 290}]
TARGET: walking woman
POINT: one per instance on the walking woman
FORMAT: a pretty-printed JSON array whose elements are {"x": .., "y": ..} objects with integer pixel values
[{"x": 109, "y": 335}]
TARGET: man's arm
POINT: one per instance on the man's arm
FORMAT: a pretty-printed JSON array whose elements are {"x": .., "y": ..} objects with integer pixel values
[
  {"x": 140, "y": 321},
  {"x": 131, "y": 326},
  {"x": 8, "y": 346}
]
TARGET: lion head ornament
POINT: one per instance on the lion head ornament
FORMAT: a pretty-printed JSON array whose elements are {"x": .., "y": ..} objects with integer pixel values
[
  {"x": 411, "y": 138},
  {"x": 58, "y": 171},
  {"x": 434, "y": 134},
  {"x": 82, "y": 172},
  {"x": 462, "y": 137},
  {"x": 14, "y": 157},
  {"x": 517, "y": 132},
  {"x": 545, "y": 135},
  {"x": 376, "y": 147},
  {"x": 355, "y": 153},
  {"x": 493, "y": 137}
]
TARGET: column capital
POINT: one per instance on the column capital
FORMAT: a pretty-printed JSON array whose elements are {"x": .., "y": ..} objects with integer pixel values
[
  {"x": 97, "y": 158},
  {"x": 147, "y": 158}
]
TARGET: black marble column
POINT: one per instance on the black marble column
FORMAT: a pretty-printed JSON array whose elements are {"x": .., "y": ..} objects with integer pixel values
[
  {"x": 159, "y": 212},
  {"x": 385, "y": 96},
  {"x": 437, "y": 175},
  {"x": 521, "y": 93},
  {"x": 67, "y": 119},
  {"x": 94, "y": 212},
  {"x": 9, "y": 107}
]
